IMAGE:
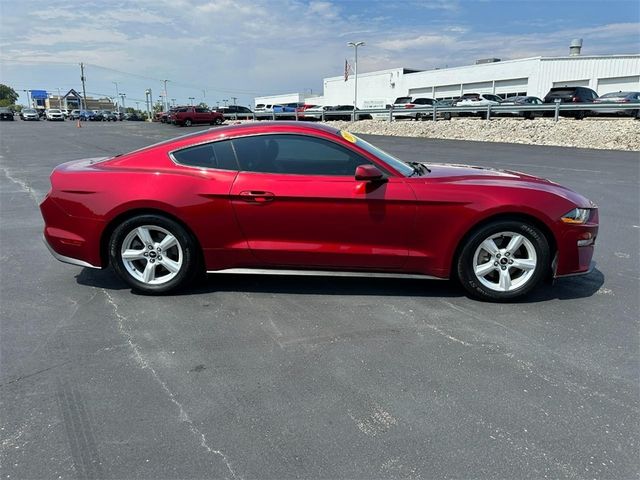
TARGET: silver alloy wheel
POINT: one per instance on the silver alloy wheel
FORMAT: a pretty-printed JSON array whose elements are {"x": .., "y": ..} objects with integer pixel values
[
  {"x": 151, "y": 254},
  {"x": 505, "y": 261}
]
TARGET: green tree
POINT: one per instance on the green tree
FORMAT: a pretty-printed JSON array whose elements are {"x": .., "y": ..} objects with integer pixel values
[
  {"x": 203, "y": 105},
  {"x": 7, "y": 94}
]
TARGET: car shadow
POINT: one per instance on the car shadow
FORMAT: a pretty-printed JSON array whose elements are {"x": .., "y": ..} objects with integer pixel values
[{"x": 562, "y": 289}]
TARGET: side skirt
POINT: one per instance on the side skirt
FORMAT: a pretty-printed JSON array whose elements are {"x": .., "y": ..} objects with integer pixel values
[{"x": 322, "y": 273}]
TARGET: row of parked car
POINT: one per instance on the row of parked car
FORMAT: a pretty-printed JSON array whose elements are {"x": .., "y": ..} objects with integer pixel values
[
  {"x": 411, "y": 108},
  {"x": 573, "y": 95},
  {"x": 56, "y": 114}
]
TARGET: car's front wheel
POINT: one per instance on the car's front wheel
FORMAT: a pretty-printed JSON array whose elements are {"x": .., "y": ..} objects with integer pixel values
[
  {"x": 153, "y": 254},
  {"x": 503, "y": 260}
]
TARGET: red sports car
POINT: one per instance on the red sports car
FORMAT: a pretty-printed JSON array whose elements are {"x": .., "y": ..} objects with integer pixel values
[{"x": 309, "y": 199}]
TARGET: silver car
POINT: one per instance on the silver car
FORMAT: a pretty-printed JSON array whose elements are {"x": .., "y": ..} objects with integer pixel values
[
  {"x": 29, "y": 114},
  {"x": 619, "y": 98}
]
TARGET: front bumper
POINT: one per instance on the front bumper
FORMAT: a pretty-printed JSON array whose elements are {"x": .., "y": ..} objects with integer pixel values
[{"x": 576, "y": 245}]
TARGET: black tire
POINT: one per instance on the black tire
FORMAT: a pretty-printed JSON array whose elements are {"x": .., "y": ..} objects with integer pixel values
[
  {"x": 466, "y": 261},
  {"x": 187, "y": 122},
  {"x": 580, "y": 115},
  {"x": 155, "y": 224},
  {"x": 218, "y": 121},
  {"x": 446, "y": 115}
]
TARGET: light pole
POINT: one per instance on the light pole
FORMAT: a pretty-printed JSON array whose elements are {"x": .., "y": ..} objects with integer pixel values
[
  {"x": 166, "y": 96},
  {"x": 117, "y": 95},
  {"x": 173, "y": 102},
  {"x": 355, "y": 89},
  {"x": 225, "y": 101},
  {"x": 191, "y": 99},
  {"x": 122, "y": 95}
]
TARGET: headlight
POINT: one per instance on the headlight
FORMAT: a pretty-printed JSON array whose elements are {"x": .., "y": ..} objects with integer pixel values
[{"x": 577, "y": 216}]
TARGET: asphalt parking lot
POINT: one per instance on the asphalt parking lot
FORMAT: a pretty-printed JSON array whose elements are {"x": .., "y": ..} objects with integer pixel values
[{"x": 289, "y": 377}]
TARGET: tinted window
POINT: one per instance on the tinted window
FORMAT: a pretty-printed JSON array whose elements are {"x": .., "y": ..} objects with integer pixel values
[
  {"x": 201, "y": 110},
  {"x": 423, "y": 101},
  {"x": 403, "y": 100},
  {"x": 211, "y": 155},
  {"x": 295, "y": 154}
]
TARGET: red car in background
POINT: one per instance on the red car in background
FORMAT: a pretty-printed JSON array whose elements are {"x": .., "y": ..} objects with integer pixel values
[
  {"x": 187, "y": 116},
  {"x": 307, "y": 198}
]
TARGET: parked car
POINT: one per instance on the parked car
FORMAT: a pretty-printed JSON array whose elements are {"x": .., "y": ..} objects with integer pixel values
[
  {"x": 187, "y": 116},
  {"x": 236, "y": 111},
  {"x": 470, "y": 100},
  {"x": 348, "y": 207},
  {"x": 571, "y": 95},
  {"x": 614, "y": 98},
  {"x": 74, "y": 114},
  {"x": 54, "y": 114},
  {"x": 315, "y": 112},
  {"x": 109, "y": 116},
  {"x": 6, "y": 114},
  {"x": 346, "y": 113},
  {"x": 134, "y": 117},
  {"x": 522, "y": 101},
  {"x": 403, "y": 107},
  {"x": 29, "y": 114},
  {"x": 89, "y": 115}
]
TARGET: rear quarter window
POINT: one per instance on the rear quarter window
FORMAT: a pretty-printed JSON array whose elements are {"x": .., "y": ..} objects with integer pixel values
[{"x": 218, "y": 155}]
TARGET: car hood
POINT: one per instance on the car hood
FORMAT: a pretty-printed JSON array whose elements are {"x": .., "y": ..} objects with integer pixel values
[{"x": 492, "y": 177}]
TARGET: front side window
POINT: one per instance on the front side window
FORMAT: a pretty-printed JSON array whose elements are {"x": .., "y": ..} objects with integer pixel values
[
  {"x": 209, "y": 155},
  {"x": 295, "y": 154}
]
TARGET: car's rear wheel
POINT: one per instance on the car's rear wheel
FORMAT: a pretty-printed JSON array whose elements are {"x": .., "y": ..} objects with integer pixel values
[
  {"x": 188, "y": 122},
  {"x": 218, "y": 121},
  {"x": 153, "y": 254},
  {"x": 503, "y": 260}
]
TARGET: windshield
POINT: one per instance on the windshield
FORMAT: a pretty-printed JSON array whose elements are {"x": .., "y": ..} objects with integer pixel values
[
  {"x": 28, "y": 110},
  {"x": 390, "y": 160}
]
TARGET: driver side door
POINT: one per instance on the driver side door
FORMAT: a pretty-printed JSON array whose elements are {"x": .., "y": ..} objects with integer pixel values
[{"x": 298, "y": 204}]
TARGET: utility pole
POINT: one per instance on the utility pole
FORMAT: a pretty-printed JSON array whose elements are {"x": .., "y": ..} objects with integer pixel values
[
  {"x": 235, "y": 110},
  {"x": 122, "y": 95},
  {"x": 84, "y": 90},
  {"x": 166, "y": 96},
  {"x": 117, "y": 95},
  {"x": 59, "y": 100},
  {"x": 173, "y": 102},
  {"x": 149, "y": 98},
  {"x": 225, "y": 101}
]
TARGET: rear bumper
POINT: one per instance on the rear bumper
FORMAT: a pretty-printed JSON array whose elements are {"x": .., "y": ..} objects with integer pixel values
[
  {"x": 65, "y": 259},
  {"x": 70, "y": 239}
]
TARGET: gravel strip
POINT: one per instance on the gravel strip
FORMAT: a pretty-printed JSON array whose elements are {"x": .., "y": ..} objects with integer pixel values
[{"x": 604, "y": 133}]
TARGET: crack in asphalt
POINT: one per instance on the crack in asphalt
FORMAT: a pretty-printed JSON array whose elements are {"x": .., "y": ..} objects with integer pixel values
[
  {"x": 143, "y": 364},
  {"x": 24, "y": 186}
]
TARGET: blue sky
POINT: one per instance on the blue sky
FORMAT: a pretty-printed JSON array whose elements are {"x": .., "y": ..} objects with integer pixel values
[{"x": 213, "y": 50}]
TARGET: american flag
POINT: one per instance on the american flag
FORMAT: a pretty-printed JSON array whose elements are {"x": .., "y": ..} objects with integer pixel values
[{"x": 347, "y": 69}]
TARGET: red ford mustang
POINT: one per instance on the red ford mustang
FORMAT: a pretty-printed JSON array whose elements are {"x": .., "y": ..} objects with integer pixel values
[{"x": 309, "y": 199}]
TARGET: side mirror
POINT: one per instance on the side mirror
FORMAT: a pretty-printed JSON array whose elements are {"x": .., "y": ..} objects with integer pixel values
[{"x": 369, "y": 173}]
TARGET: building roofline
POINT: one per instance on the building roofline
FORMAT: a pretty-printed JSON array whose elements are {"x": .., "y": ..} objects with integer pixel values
[{"x": 480, "y": 65}]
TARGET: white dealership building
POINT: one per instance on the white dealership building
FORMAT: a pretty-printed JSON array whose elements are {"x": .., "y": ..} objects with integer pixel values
[{"x": 525, "y": 76}]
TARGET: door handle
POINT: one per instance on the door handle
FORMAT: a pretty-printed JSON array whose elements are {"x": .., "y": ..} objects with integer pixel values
[{"x": 253, "y": 196}]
